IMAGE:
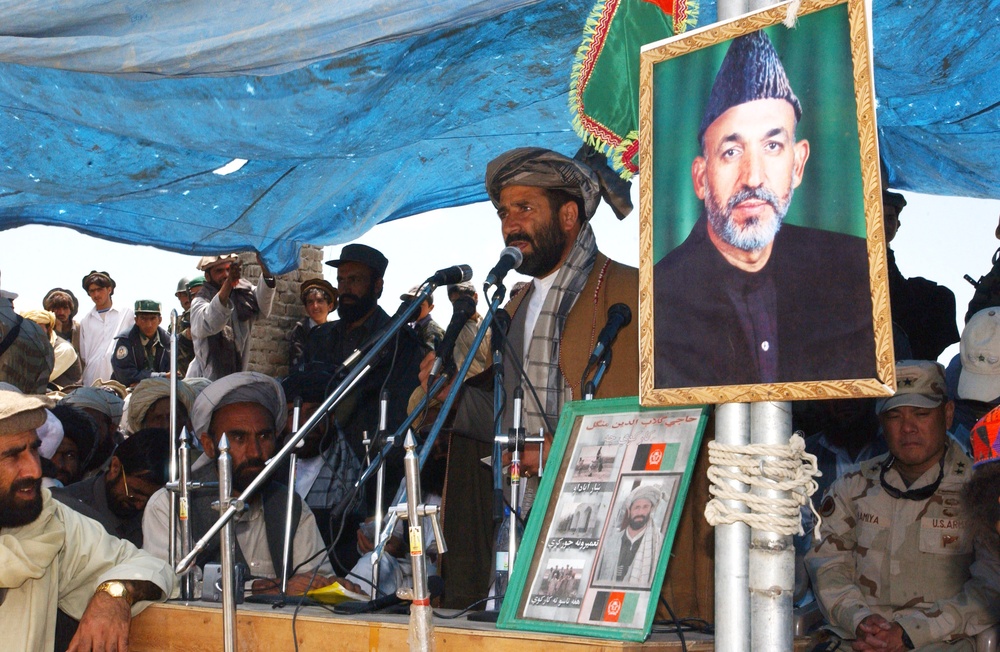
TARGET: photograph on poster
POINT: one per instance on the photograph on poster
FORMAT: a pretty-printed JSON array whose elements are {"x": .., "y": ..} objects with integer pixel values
[
  {"x": 633, "y": 536},
  {"x": 760, "y": 203},
  {"x": 594, "y": 464},
  {"x": 561, "y": 584},
  {"x": 580, "y": 520}
]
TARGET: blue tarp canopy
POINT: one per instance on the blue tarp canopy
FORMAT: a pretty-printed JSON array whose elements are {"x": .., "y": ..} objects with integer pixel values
[{"x": 117, "y": 119}]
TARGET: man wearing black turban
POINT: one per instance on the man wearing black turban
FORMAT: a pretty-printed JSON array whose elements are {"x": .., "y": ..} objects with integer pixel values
[{"x": 739, "y": 302}]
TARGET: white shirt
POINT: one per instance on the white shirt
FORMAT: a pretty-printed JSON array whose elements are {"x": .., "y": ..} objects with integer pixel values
[
  {"x": 97, "y": 339},
  {"x": 535, "y": 302}
]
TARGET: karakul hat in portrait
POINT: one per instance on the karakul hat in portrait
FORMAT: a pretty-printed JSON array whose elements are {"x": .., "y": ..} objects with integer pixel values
[{"x": 751, "y": 71}]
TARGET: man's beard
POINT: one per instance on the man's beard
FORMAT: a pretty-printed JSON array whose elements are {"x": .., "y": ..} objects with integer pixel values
[
  {"x": 354, "y": 310},
  {"x": 15, "y": 511},
  {"x": 754, "y": 234},
  {"x": 546, "y": 249},
  {"x": 638, "y": 522},
  {"x": 244, "y": 473}
]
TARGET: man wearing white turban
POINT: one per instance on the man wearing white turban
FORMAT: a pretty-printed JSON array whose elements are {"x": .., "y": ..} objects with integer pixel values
[
  {"x": 630, "y": 553},
  {"x": 249, "y": 408}
]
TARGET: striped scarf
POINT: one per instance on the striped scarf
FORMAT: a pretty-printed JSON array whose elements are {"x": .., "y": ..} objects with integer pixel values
[{"x": 542, "y": 363}]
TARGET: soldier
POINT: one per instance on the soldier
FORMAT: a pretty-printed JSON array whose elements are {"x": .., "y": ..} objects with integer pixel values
[
  {"x": 896, "y": 567},
  {"x": 143, "y": 351},
  {"x": 185, "y": 347}
]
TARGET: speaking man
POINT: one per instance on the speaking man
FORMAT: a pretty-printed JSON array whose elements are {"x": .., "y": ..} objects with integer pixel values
[{"x": 745, "y": 299}]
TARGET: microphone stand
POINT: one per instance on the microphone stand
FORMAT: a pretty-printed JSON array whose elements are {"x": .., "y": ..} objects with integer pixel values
[
  {"x": 498, "y": 405},
  {"x": 359, "y": 366},
  {"x": 227, "y": 546},
  {"x": 382, "y": 435},
  {"x": 293, "y": 458},
  {"x": 172, "y": 509}
]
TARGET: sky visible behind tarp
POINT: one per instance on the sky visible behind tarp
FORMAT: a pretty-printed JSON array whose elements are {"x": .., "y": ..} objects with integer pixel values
[{"x": 114, "y": 115}]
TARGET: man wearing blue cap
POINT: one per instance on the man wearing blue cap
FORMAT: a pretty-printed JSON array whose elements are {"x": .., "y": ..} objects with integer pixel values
[
  {"x": 143, "y": 351},
  {"x": 739, "y": 302}
]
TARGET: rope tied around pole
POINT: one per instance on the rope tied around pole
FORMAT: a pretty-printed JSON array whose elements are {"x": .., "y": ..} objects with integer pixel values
[{"x": 765, "y": 466}]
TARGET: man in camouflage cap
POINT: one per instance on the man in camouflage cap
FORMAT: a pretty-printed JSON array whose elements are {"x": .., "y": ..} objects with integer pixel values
[
  {"x": 896, "y": 567},
  {"x": 143, "y": 351}
]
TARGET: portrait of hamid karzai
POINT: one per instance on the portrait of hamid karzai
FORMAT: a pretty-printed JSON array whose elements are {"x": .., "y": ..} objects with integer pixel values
[{"x": 745, "y": 298}]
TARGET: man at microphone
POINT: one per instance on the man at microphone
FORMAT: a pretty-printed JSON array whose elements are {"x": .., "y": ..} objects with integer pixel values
[{"x": 545, "y": 201}]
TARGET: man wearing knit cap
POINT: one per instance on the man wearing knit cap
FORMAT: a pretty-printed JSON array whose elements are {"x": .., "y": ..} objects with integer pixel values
[
  {"x": 249, "y": 408},
  {"x": 630, "y": 554},
  {"x": 52, "y": 558},
  {"x": 144, "y": 350},
  {"x": 99, "y": 327},
  {"x": 223, "y": 313},
  {"x": 896, "y": 566},
  {"x": 740, "y": 302},
  {"x": 545, "y": 202}
]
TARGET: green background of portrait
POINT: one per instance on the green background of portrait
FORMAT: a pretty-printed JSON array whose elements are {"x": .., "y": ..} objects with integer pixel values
[{"x": 817, "y": 59}]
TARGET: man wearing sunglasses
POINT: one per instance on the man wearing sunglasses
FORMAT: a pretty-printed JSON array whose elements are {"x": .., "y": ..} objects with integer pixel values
[{"x": 896, "y": 567}]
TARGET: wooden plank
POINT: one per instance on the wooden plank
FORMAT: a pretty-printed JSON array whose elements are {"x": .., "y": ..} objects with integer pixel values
[{"x": 183, "y": 628}]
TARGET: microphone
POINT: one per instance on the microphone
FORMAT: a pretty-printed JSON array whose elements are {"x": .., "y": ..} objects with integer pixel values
[
  {"x": 451, "y": 275},
  {"x": 463, "y": 308},
  {"x": 619, "y": 316},
  {"x": 510, "y": 258}
]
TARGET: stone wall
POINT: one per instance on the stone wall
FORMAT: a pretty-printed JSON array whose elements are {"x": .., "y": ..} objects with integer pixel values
[{"x": 269, "y": 352}]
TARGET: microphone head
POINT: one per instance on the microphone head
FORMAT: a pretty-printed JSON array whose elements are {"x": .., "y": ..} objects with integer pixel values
[
  {"x": 451, "y": 275},
  {"x": 466, "y": 271},
  {"x": 515, "y": 253},
  {"x": 623, "y": 312}
]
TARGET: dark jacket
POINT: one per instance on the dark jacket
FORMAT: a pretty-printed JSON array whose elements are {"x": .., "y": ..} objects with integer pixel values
[
  {"x": 823, "y": 312},
  {"x": 129, "y": 363}
]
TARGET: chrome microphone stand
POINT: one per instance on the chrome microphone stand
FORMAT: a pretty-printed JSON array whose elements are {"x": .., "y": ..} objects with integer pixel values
[{"x": 227, "y": 546}]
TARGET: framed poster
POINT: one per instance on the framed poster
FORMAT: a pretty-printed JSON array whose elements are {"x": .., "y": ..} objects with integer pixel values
[
  {"x": 597, "y": 542},
  {"x": 762, "y": 251}
]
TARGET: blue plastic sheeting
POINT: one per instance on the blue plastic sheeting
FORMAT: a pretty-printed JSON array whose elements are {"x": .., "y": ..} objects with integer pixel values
[
  {"x": 114, "y": 115},
  {"x": 937, "y": 80},
  {"x": 398, "y": 126}
]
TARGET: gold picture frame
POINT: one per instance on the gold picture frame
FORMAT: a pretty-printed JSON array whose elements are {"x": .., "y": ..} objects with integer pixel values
[{"x": 828, "y": 62}]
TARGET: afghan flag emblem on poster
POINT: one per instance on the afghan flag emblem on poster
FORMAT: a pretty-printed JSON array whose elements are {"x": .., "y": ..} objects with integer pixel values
[
  {"x": 649, "y": 457},
  {"x": 614, "y": 606}
]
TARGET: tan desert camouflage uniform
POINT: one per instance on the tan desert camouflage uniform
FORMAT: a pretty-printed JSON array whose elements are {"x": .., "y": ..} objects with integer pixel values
[{"x": 910, "y": 561}]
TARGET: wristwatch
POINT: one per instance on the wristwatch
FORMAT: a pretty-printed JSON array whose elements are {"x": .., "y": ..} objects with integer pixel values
[{"x": 115, "y": 589}]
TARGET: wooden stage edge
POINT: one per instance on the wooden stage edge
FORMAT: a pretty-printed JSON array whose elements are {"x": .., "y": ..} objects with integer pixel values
[{"x": 198, "y": 628}]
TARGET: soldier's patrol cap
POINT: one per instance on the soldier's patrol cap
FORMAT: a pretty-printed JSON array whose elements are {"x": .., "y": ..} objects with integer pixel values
[
  {"x": 893, "y": 199},
  {"x": 359, "y": 253},
  {"x": 147, "y": 307},
  {"x": 412, "y": 294},
  {"x": 196, "y": 282},
  {"x": 919, "y": 383}
]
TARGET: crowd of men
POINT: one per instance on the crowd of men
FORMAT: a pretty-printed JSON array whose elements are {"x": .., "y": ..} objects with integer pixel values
[{"x": 898, "y": 565}]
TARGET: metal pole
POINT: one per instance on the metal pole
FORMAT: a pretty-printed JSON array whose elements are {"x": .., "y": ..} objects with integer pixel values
[
  {"x": 772, "y": 556},
  {"x": 382, "y": 438},
  {"x": 732, "y": 545},
  {"x": 293, "y": 459},
  {"x": 421, "y": 634},
  {"x": 184, "y": 504},
  {"x": 172, "y": 509},
  {"x": 227, "y": 548}
]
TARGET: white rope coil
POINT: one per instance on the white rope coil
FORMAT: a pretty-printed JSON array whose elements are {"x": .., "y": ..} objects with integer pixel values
[{"x": 772, "y": 467}]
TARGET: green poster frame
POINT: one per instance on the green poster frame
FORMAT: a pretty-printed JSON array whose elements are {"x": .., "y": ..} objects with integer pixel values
[{"x": 678, "y": 430}]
